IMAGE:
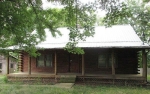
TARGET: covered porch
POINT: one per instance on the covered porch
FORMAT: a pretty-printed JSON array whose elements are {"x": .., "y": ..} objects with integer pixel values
[{"x": 82, "y": 76}]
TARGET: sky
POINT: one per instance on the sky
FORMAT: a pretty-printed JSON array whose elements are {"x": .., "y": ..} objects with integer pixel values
[{"x": 47, "y": 5}]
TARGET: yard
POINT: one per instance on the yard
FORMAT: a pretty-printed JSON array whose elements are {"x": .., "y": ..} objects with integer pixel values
[
  {"x": 77, "y": 89},
  {"x": 148, "y": 78},
  {"x": 6, "y": 88}
]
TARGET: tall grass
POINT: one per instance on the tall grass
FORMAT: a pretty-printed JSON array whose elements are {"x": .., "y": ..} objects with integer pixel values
[
  {"x": 77, "y": 89},
  {"x": 3, "y": 79}
]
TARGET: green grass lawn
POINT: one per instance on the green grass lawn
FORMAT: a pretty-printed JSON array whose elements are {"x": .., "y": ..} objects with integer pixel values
[
  {"x": 3, "y": 79},
  {"x": 148, "y": 77},
  {"x": 7, "y": 88},
  {"x": 77, "y": 89}
]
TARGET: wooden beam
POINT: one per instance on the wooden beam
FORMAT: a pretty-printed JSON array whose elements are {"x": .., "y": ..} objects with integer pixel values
[
  {"x": 79, "y": 64},
  {"x": 8, "y": 64},
  {"x": 55, "y": 63},
  {"x": 113, "y": 63},
  {"x": 144, "y": 61},
  {"x": 29, "y": 65},
  {"x": 69, "y": 62},
  {"x": 83, "y": 66}
]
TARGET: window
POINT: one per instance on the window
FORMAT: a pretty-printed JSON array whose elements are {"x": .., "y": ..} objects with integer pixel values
[
  {"x": 11, "y": 65},
  {"x": 105, "y": 60},
  {"x": 102, "y": 59},
  {"x": 0, "y": 65},
  {"x": 44, "y": 60}
]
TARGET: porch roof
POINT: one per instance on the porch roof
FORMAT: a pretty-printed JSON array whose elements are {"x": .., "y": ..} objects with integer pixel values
[{"x": 118, "y": 36}]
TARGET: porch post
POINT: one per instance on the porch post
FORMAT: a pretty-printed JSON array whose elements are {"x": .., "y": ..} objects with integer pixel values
[
  {"x": 83, "y": 66},
  {"x": 113, "y": 63},
  {"x": 144, "y": 61},
  {"x": 29, "y": 65},
  {"x": 55, "y": 63},
  {"x": 8, "y": 64}
]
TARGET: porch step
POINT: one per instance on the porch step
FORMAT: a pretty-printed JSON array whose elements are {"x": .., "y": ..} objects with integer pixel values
[{"x": 67, "y": 79}]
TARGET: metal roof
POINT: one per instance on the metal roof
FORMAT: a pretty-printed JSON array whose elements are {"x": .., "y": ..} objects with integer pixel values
[{"x": 118, "y": 36}]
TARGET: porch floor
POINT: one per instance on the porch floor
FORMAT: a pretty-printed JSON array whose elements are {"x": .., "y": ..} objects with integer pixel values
[{"x": 102, "y": 76}]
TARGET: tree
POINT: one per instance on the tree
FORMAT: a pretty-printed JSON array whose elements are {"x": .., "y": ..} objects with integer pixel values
[
  {"x": 131, "y": 12},
  {"x": 19, "y": 19},
  {"x": 135, "y": 13}
]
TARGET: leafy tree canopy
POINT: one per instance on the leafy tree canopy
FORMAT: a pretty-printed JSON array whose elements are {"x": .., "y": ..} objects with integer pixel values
[
  {"x": 133, "y": 12},
  {"x": 19, "y": 19}
]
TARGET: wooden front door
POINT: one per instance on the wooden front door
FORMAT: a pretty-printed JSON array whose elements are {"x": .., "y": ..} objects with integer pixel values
[{"x": 74, "y": 63}]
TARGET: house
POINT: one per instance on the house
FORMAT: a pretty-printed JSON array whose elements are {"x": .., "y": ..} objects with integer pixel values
[
  {"x": 3, "y": 64},
  {"x": 111, "y": 56}
]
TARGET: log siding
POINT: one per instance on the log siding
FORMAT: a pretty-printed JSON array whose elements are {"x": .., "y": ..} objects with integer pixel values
[{"x": 126, "y": 62}]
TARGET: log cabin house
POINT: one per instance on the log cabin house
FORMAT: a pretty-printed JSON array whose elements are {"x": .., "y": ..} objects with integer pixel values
[{"x": 112, "y": 55}]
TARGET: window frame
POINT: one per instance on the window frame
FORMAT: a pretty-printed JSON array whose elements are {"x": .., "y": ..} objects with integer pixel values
[
  {"x": 44, "y": 60},
  {"x": 108, "y": 60}
]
